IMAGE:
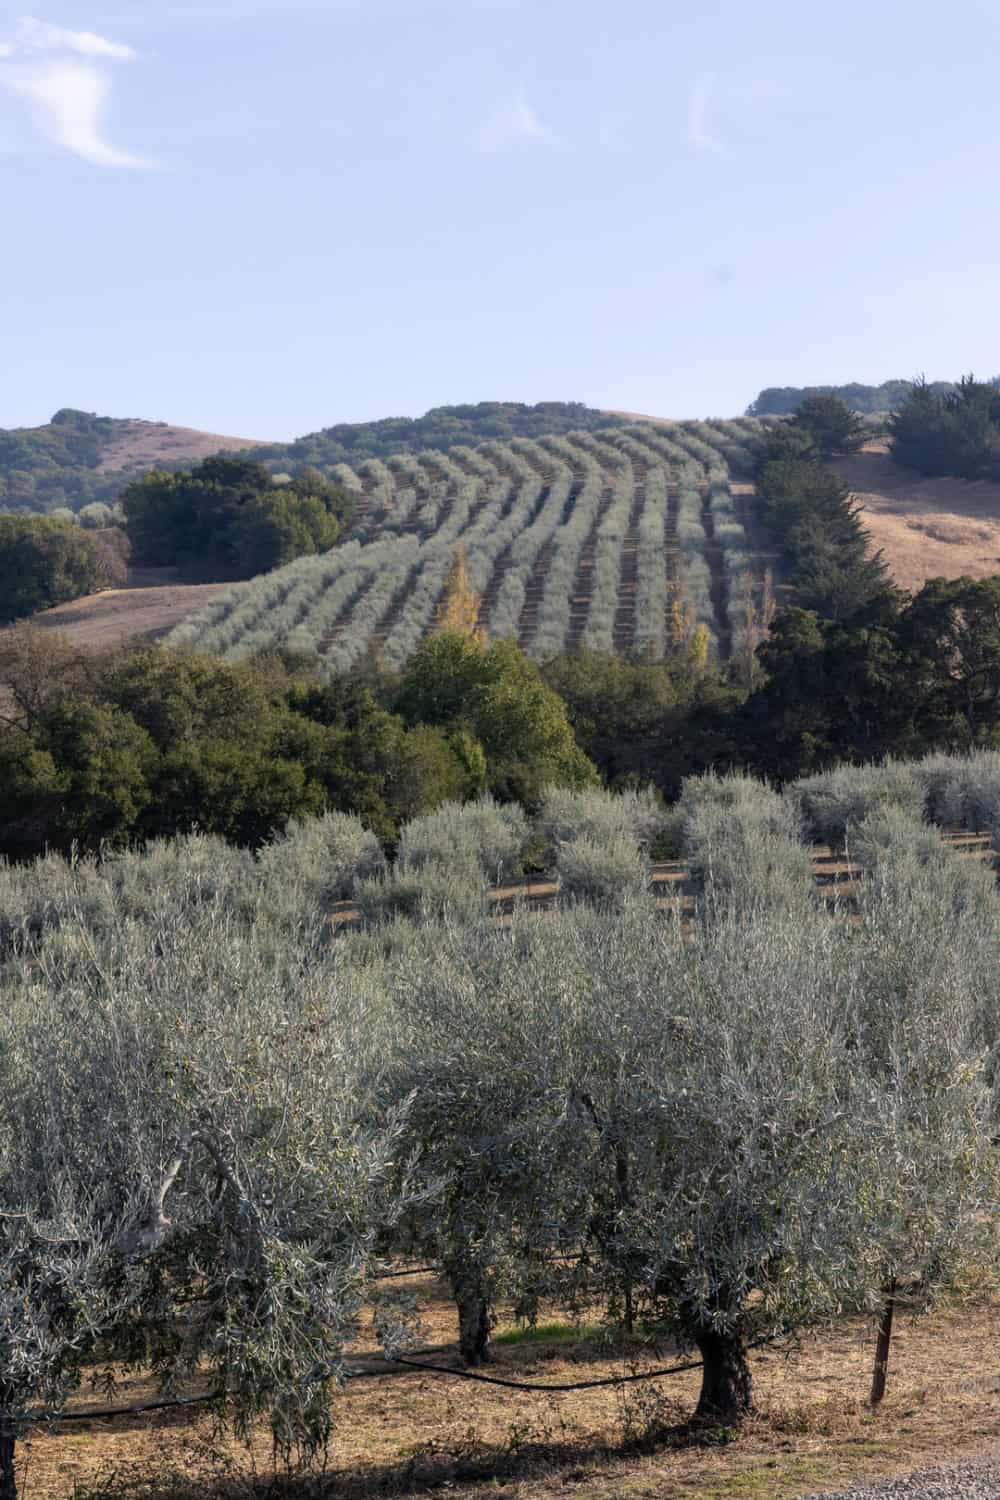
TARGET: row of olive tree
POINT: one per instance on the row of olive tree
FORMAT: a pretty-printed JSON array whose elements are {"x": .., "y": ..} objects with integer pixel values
[{"x": 218, "y": 1123}]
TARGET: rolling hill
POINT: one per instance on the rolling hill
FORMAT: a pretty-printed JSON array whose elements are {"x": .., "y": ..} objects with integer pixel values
[
  {"x": 618, "y": 539},
  {"x": 78, "y": 457},
  {"x": 558, "y": 501}
]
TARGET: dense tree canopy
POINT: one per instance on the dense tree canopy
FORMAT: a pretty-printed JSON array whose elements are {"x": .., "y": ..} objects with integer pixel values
[
  {"x": 44, "y": 562},
  {"x": 227, "y": 516},
  {"x": 45, "y": 467},
  {"x": 443, "y": 427},
  {"x": 781, "y": 401},
  {"x": 495, "y": 696},
  {"x": 949, "y": 432},
  {"x": 823, "y": 542},
  {"x": 831, "y": 424},
  {"x": 149, "y": 743}
]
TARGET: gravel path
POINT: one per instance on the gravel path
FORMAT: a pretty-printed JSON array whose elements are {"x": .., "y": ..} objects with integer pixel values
[{"x": 975, "y": 1479}]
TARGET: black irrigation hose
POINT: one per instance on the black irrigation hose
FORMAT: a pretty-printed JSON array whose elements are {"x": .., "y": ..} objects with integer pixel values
[
  {"x": 174, "y": 1403},
  {"x": 167, "y": 1404},
  {"x": 526, "y": 1385}
]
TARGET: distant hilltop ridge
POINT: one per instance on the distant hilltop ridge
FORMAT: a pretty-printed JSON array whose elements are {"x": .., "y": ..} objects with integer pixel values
[
  {"x": 869, "y": 400},
  {"x": 79, "y": 457}
]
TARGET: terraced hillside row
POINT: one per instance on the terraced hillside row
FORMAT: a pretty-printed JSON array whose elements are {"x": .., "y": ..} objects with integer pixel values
[{"x": 630, "y": 539}]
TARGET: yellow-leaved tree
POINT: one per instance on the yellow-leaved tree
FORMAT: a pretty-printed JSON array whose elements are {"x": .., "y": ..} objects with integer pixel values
[{"x": 458, "y": 610}]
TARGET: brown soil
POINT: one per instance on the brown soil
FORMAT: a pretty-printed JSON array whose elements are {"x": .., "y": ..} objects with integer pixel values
[
  {"x": 408, "y": 1433},
  {"x": 927, "y": 528},
  {"x": 142, "y": 445},
  {"x": 100, "y": 621}
]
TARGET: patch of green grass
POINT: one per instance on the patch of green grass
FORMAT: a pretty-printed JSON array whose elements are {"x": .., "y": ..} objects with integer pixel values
[
  {"x": 775, "y": 1477},
  {"x": 542, "y": 1333}
]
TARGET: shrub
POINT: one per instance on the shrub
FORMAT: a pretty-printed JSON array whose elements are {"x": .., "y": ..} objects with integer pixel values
[
  {"x": 835, "y": 801},
  {"x": 112, "y": 550},
  {"x": 436, "y": 892},
  {"x": 180, "y": 875},
  {"x": 603, "y": 870},
  {"x": 911, "y": 872},
  {"x": 481, "y": 834},
  {"x": 318, "y": 860},
  {"x": 37, "y": 899},
  {"x": 741, "y": 861},
  {"x": 744, "y": 797},
  {"x": 569, "y": 815},
  {"x": 43, "y": 562},
  {"x": 962, "y": 791}
]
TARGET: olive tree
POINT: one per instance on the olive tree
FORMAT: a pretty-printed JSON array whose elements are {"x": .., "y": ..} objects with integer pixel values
[
  {"x": 467, "y": 1019},
  {"x": 186, "y": 1182}
]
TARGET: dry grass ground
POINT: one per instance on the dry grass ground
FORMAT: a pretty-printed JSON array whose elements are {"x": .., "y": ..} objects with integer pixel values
[
  {"x": 927, "y": 528},
  {"x": 143, "y": 445},
  {"x": 407, "y": 1433},
  {"x": 98, "y": 622}
]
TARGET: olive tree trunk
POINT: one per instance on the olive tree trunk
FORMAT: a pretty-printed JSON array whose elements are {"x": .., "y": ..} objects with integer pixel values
[
  {"x": 474, "y": 1326},
  {"x": 726, "y": 1384},
  {"x": 8, "y": 1444},
  {"x": 881, "y": 1370},
  {"x": 474, "y": 1322}
]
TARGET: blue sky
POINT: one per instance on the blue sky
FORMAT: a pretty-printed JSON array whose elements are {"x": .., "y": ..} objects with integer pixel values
[{"x": 261, "y": 218}]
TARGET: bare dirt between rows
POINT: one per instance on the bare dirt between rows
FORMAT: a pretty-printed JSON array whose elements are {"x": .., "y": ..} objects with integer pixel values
[{"x": 409, "y": 1433}]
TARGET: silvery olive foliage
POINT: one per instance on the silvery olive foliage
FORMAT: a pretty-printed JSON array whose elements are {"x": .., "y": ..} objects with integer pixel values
[
  {"x": 219, "y": 1118},
  {"x": 188, "y": 1178},
  {"x": 523, "y": 512},
  {"x": 567, "y": 815},
  {"x": 606, "y": 870},
  {"x": 963, "y": 791},
  {"x": 316, "y": 861},
  {"x": 446, "y": 860},
  {"x": 835, "y": 801},
  {"x": 600, "y": 842},
  {"x": 486, "y": 833}
]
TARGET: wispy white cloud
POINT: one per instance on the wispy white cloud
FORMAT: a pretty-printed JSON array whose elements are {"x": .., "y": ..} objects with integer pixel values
[
  {"x": 516, "y": 121},
  {"x": 697, "y": 125},
  {"x": 62, "y": 76},
  {"x": 39, "y": 36}
]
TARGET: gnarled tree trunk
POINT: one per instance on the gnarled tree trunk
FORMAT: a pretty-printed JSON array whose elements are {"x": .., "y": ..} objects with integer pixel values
[
  {"x": 726, "y": 1383},
  {"x": 474, "y": 1323},
  {"x": 881, "y": 1369},
  {"x": 8, "y": 1445}
]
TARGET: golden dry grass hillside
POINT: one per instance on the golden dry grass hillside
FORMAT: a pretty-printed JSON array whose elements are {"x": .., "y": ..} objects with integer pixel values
[
  {"x": 150, "y": 608},
  {"x": 142, "y": 445},
  {"x": 927, "y": 528}
]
